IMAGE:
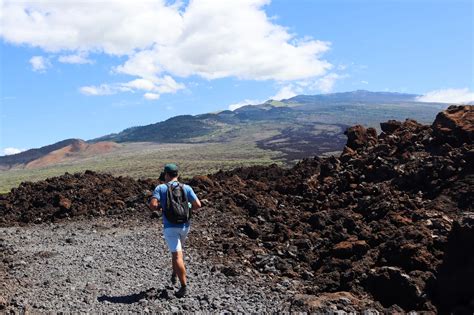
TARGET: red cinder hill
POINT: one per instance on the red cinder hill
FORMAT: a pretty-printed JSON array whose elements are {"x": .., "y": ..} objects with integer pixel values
[
  {"x": 62, "y": 151},
  {"x": 77, "y": 149}
]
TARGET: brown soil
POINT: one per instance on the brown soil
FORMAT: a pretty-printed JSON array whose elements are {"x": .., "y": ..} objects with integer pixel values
[{"x": 78, "y": 148}]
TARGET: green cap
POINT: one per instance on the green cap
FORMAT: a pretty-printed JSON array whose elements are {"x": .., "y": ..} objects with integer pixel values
[{"x": 171, "y": 167}]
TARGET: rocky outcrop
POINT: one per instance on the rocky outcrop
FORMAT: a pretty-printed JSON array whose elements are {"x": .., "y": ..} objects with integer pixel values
[
  {"x": 378, "y": 220},
  {"x": 359, "y": 137},
  {"x": 75, "y": 195},
  {"x": 455, "y": 125}
]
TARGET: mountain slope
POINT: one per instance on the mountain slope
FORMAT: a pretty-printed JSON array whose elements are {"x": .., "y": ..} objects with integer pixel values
[
  {"x": 294, "y": 128},
  {"x": 354, "y": 96},
  {"x": 33, "y": 154},
  {"x": 173, "y": 130},
  {"x": 363, "y": 107}
]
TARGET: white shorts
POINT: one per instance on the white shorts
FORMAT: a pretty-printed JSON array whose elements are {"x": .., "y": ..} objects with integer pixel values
[{"x": 175, "y": 237}]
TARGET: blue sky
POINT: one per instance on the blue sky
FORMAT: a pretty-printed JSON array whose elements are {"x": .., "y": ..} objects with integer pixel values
[{"x": 83, "y": 69}]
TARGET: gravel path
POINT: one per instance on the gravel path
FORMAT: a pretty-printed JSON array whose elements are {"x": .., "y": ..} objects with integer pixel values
[{"x": 106, "y": 266}]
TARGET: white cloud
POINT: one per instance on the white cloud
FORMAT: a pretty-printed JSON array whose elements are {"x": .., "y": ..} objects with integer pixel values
[
  {"x": 39, "y": 63},
  {"x": 167, "y": 84},
  {"x": 10, "y": 151},
  {"x": 244, "y": 103},
  {"x": 80, "y": 58},
  {"x": 140, "y": 84},
  {"x": 161, "y": 42},
  {"x": 151, "y": 96},
  {"x": 143, "y": 64},
  {"x": 286, "y": 92},
  {"x": 103, "y": 89},
  {"x": 158, "y": 85},
  {"x": 326, "y": 83},
  {"x": 115, "y": 27},
  {"x": 364, "y": 82},
  {"x": 459, "y": 96},
  {"x": 236, "y": 38}
]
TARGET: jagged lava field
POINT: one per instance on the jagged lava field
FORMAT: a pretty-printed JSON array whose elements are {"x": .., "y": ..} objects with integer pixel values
[{"x": 388, "y": 226}]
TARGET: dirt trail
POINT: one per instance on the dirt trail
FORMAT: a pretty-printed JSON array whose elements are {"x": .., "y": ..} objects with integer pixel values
[{"x": 115, "y": 266}]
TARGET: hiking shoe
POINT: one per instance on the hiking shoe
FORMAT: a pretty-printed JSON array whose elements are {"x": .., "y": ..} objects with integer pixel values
[
  {"x": 181, "y": 292},
  {"x": 174, "y": 279}
]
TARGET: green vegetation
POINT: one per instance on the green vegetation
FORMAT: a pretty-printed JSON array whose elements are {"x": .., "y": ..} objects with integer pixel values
[
  {"x": 174, "y": 130},
  {"x": 141, "y": 160},
  {"x": 276, "y": 103}
]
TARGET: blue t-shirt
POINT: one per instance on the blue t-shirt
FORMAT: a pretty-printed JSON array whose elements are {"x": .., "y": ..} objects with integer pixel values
[{"x": 160, "y": 194}]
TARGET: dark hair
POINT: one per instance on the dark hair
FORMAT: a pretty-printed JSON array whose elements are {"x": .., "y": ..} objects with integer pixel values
[
  {"x": 172, "y": 174},
  {"x": 162, "y": 177}
]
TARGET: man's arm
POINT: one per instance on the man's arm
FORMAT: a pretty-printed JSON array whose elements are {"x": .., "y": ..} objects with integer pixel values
[
  {"x": 154, "y": 204},
  {"x": 195, "y": 203}
]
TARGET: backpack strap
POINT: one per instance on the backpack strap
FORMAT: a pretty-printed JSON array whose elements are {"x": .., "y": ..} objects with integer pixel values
[
  {"x": 185, "y": 195},
  {"x": 168, "y": 195},
  {"x": 185, "y": 199}
]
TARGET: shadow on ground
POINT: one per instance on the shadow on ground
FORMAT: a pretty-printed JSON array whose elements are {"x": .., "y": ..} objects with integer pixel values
[
  {"x": 123, "y": 299},
  {"x": 150, "y": 294}
]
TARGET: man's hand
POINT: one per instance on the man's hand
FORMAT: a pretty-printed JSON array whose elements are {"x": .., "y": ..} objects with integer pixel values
[
  {"x": 153, "y": 204},
  {"x": 196, "y": 204}
]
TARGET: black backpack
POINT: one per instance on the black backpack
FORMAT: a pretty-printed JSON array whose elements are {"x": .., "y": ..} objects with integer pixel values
[{"x": 177, "y": 206}]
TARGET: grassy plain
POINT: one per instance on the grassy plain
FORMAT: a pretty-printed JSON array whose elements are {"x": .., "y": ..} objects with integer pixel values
[{"x": 142, "y": 160}]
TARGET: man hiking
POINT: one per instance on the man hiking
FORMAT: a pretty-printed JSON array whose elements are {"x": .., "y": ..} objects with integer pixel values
[{"x": 174, "y": 198}]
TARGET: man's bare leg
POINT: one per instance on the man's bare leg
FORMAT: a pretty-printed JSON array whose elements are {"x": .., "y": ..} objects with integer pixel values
[
  {"x": 178, "y": 267},
  {"x": 174, "y": 277}
]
